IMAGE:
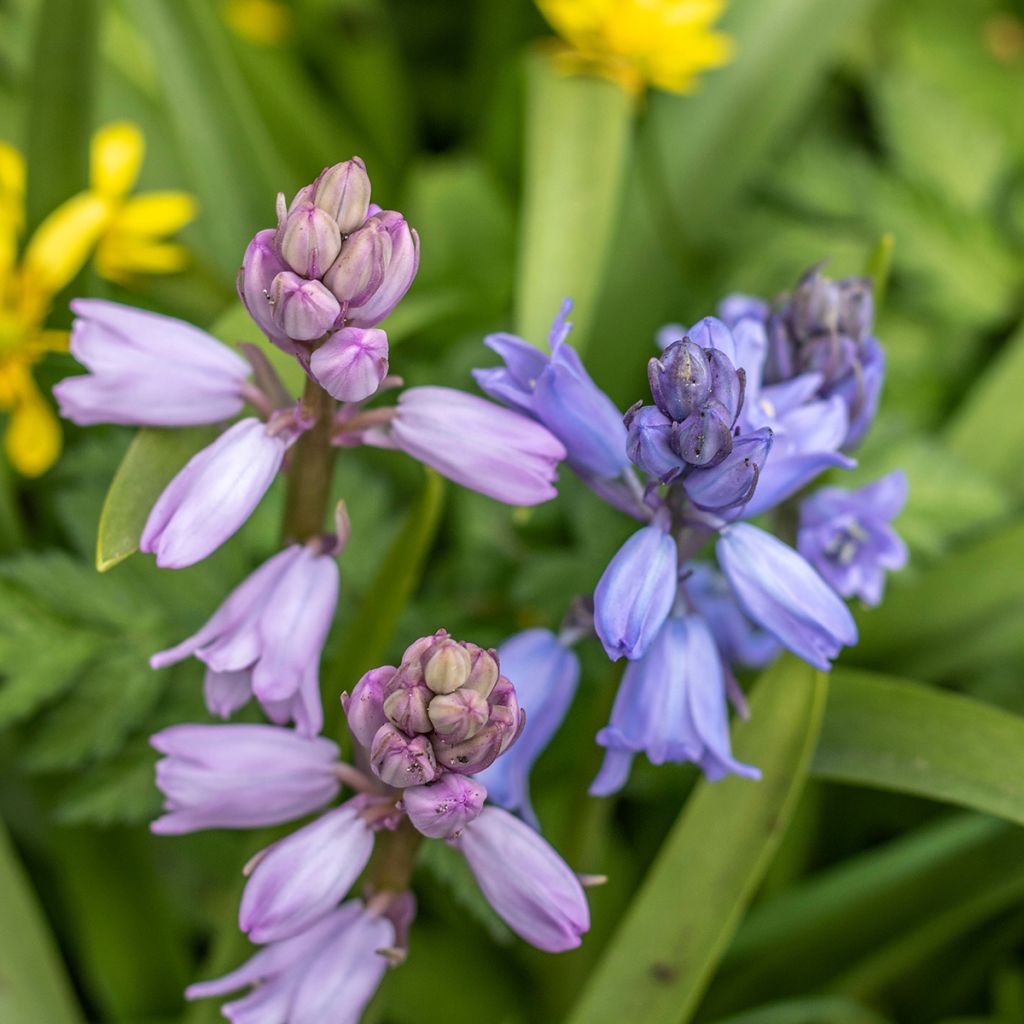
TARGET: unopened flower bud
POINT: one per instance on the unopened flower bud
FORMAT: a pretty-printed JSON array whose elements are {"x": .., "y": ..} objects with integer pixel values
[
  {"x": 262, "y": 263},
  {"x": 484, "y": 673},
  {"x": 400, "y": 761},
  {"x": 405, "y": 705},
  {"x": 731, "y": 483},
  {"x": 303, "y": 310},
  {"x": 399, "y": 273},
  {"x": 359, "y": 269},
  {"x": 351, "y": 364},
  {"x": 458, "y": 716},
  {"x": 470, "y": 756},
  {"x": 448, "y": 667},
  {"x": 712, "y": 333},
  {"x": 344, "y": 192},
  {"x": 648, "y": 442},
  {"x": 365, "y": 708},
  {"x": 443, "y": 808},
  {"x": 704, "y": 438},
  {"x": 856, "y": 308},
  {"x": 831, "y": 355},
  {"x": 680, "y": 380},
  {"x": 505, "y": 714},
  {"x": 727, "y": 383},
  {"x": 309, "y": 240},
  {"x": 814, "y": 308},
  {"x": 780, "y": 363}
]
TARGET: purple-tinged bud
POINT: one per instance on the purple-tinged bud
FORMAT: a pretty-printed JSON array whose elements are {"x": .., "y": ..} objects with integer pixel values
[
  {"x": 732, "y": 482},
  {"x": 303, "y": 310},
  {"x": 704, "y": 438},
  {"x": 727, "y": 383},
  {"x": 473, "y": 755},
  {"x": 458, "y": 716},
  {"x": 814, "y": 306},
  {"x": 399, "y": 274},
  {"x": 442, "y": 809},
  {"x": 856, "y": 308},
  {"x": 484, "y": 673},
  {"x": 505, "y": 713},
  {"x": 448, "y": 666},
  {"x": 680, "y": 380},
  {"x": 365, "y": 708},
  {"x": 309, "y": 240},
  {"x": 712, "y": 334},
  {"x": 648, "y": 442},
  {"x": 400, "y": 761},
  {"x": 831, "y": 355},
  {"x": 780, "y": 362},
  {"x": 351, "y": 364},
  {"x": 405, "y": 704},
  {"x": 636, "y": 593},
  {"x": 344, "y": 192},
  {"x": 262, "y": 263},
  {"x": 305, "y": 875},
  {"x": 359, "y": 270}
]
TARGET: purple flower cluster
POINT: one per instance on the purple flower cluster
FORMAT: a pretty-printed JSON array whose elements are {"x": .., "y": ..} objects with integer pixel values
[
  {"x": 747, "y": 409},
  {"x": 421, "y": 731}
]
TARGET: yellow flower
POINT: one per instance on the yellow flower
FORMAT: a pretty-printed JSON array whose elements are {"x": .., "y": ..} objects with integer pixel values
[
  {"x": 664, "y": 43},
  {"x": 264, "y": 22},
  {"x": 125, "y": 234}
]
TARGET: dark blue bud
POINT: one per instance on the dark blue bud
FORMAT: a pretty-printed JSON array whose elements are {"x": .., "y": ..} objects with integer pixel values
[
  {"x": 732, "y": 482},
  {"x": 814, "y": 307},
  {"x": 648, "y": 442},
  {"x": 831, "y": 355},
  {"x": 727, "y": 383},
  {"x": 704, "y": 438},
  {"x": 780, "y": 362},
  {"x": 680, "y": 380}
]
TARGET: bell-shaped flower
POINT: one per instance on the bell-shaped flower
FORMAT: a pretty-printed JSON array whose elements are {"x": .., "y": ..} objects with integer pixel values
[
  {"x": 148, "y": 370},
  {"x": 304, "y": 876},
  {"x": 327, "y": 973},
  {"x": 545, "y": 675},
  {"x": 532, "y": 889},
  {"x": 671, "y": 706},
  {"x": 846, "y": 535},
  {"x": 266, "y": 639},
  {"x": 475, "y": 443},
  {"x": 636, "y": 592},
  {"x": 214, "y": 494},
  {"x": 240, "y": 776},
  {"x": 784, "y": 595}
]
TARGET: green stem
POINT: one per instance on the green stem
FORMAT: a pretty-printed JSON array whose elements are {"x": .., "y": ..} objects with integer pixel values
[
  {"x": 394, "y": 856},
  {"x": 309, "y": 479}
]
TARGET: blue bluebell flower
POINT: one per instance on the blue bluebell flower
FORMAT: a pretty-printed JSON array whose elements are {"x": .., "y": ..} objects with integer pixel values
[
  {"x": 671, "y": 706},
  {"x": 847, "y": 537}
]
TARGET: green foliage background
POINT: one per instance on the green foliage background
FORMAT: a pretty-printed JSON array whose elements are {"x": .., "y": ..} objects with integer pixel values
[{"x": 877, "y": 874}]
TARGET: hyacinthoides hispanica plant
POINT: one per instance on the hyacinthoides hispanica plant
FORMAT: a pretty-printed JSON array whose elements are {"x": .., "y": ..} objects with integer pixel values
[
  {"x": 747, "y": 409},
  {"x": 318, "y": 285}
]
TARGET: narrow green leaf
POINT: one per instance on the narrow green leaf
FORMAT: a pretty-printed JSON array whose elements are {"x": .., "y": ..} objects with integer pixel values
[
  {"x": 893, "y": 734},
  {"x": 879, "y": 266},
  {"x": 33, "y": 985},
  {"x": 988, "y": 428},
  {"x": 366, "y": 640},
  {"x": 680, "y": 924},
  {"x": 578, "y": 138},
  {"x": 816, "y": 1010},
  {"x": 60, "y": 103},
  {"x": 149, "y": 465}
]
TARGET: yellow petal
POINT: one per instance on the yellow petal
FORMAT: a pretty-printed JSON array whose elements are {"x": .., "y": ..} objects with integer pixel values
[
  {"x": 152, "y": 214},
  {"x": 12, "y": 204},
  {"x": 116, "y": 158},
  {"x": 12, "y": 171},
  {"x": 61, "y": 245},
  {"x": 122, "y": 257},
  {"x": 33, "y": 439},
  {"x": 260, "y": 21}
]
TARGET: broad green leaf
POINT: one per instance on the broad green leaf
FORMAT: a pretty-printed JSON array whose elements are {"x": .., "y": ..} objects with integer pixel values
[
  {"x": 665, "y": 950},
  {"x": 578, "y": 136},
  {"x": 815, "y": 1010},
  {"x": 368, "y": 636},
  {"x": 33, "y": 986},
  {"x": 988, "y": 428},
  {"x": 60, "y": 103},
  {"x": 893, "y": 734},
  {"x": 149, "y": 465}
]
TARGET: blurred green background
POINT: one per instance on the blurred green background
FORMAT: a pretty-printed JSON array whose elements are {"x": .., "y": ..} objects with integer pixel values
[{"x": 834, "y": 125}]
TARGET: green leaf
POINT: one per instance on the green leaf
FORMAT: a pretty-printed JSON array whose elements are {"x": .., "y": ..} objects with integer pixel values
[
  {"x": 893, "y": 734},
  {"x": 819, "y": 1010},
  {"x": 366, "y": 640},
  {"x": 665, "y": 950},
  {"x": 149, "y": 465},
  {"x": 578, "y": 138},
  {"x": 879, "y": 266},
  {"x": 33, "y": 985},
  {"x": 60, "y": 104},
  {"x": 988, "y": 428}
]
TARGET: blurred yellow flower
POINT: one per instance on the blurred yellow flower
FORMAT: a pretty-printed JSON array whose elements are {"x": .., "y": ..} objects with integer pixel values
[
  {"x": 126, "y": 234},
  {"x": 664, "y": 43},
  {"x": 265, "y": 22}
]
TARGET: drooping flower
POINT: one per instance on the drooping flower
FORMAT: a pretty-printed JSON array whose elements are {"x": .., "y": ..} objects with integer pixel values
[
  {"x": 846, "y": 535},
  {"x": 266, "y": 639},
  {"x": 546, "y": 674},
  {"x": 664, "y": 43},
  {"x": 671, "y": 706},
  {"x": 241, "y": 776}
]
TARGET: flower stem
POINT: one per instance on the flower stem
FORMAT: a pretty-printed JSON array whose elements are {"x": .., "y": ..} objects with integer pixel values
[
  {"x": 309, "y": 479},
  {"x": 394, "y": 856}
]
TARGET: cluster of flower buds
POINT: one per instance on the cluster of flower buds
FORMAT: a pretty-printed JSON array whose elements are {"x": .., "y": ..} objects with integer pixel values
[{"x": 334, "y": 268}]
